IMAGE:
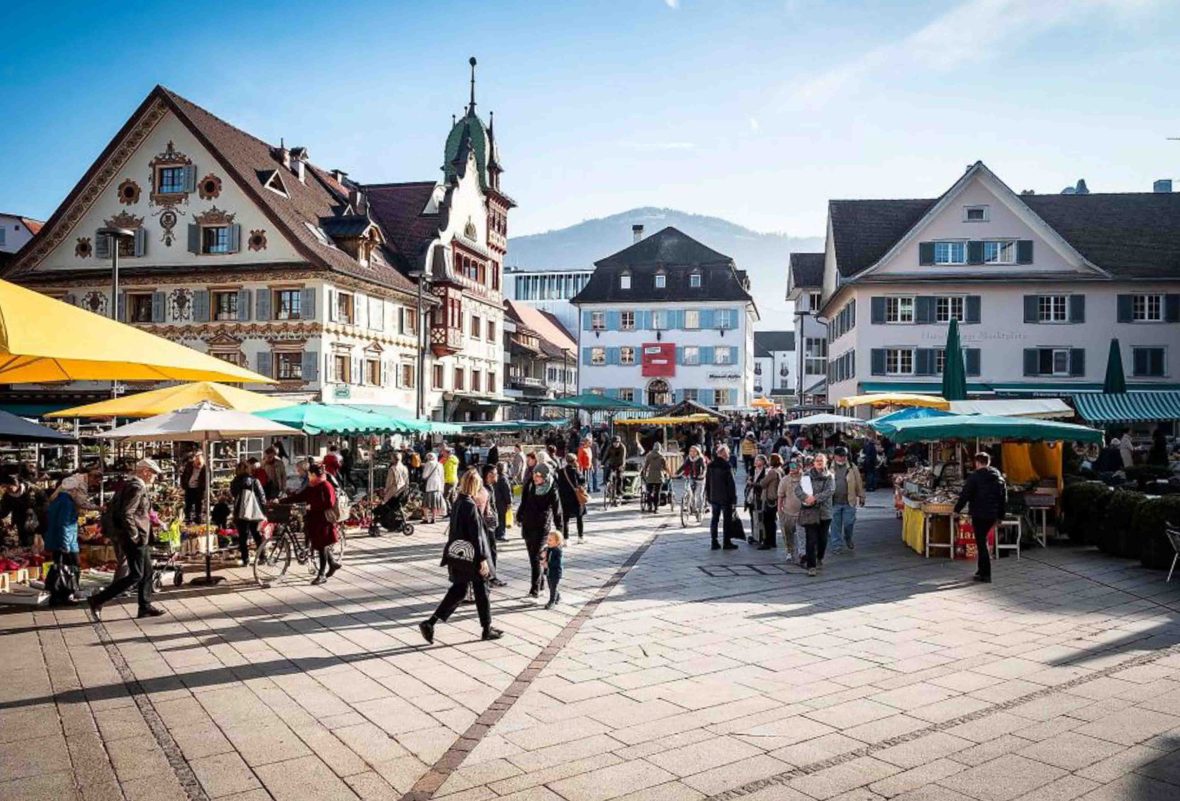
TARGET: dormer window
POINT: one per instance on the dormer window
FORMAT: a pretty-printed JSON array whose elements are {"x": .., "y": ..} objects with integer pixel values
[
  {"x": 625, "y": 281},
  {"x": 275, "y": 184},
  {"x": 661, "y": 280},
  {"x": 694, "y": 280},
  {"x": 975, "y": 214}
]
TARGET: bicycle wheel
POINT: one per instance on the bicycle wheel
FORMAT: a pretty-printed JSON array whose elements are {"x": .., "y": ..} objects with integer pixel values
[
  {"x": 272, "y": 560},
  {"x": 338, "y": 547},
  {"x": 684, "y": 507}
]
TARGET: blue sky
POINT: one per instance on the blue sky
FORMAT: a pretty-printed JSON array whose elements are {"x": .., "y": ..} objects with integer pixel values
[{"x": 752, "y": 110}]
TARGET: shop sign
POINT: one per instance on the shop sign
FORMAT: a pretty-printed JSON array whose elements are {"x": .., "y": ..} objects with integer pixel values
[
  {"x": 659, "y": 359},
  {"x": 342, "y": 392},
  {"x": 725, "y": 376}
]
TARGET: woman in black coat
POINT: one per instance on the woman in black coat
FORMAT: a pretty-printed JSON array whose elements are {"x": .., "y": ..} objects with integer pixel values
[
  {"x": 721, "y": 492},
  {"x": 539, "y": 513},
  {"x": 467, "y": 557},
  {"x": 245, "y": 482},
  {"x": 569, "y": 478}
]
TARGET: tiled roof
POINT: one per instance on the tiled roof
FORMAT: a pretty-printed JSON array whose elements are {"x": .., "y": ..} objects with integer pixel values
[
  {"x": 768, "y": 342},
  {"x": 397, "y": 208},
  {"x": 807, "y": 270},
  {"x": 544, "y": 325},
  {"x": 34, "y": 226},
  {"x": 677, "y": 256},
  {"x": 864, "y": 230}
]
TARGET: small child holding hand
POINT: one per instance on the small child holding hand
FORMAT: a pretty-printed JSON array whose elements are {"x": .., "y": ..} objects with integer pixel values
[{"x": 551, "y": 564}]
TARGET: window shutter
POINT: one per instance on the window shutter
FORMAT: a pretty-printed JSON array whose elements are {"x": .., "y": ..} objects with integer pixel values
[
  {"x": 1172, "y": 308},
  {"x": 974, "y": 304},
  {"x": 1030, "y": 310},
  {"x": 360, "y": 310},
  {"x": 311, "y": 366},
  {"x": 706, "y": 318},
  {"x": 1139, "y": 361},
  {"x": 1077, "y": 361},
  {"x": 194, "y": 238},
  {"x": 307, "y": 304},
  {"x": 611, "y": 393},
  {"x": 680, "y": 355},
  {"x": 852, "y": 364},
  {"x": 329, "y": 369},
  {"x": 262, "y": 304},
  {"x": 975, "y": 252},
  {"x": 925, "y": 253},
  {"x": 158, "y": 304},
  {"x": 121, "y": 308},
  {"x": 235, "y": 238},
  {"x": 190, "y": 178},
  {"x": 358, "y": 370},
  {"x": 923, "y": 361},
  {"x": 102, "y": 246},
  {"x": 1024, "y": 251},
  {"x": 972, "y": 360},
  {"x": 877, "y": 310},
  {"x": 201, "y": 306},
  {"x": 1077, "y": 308},
  {"x": 612, "y": 356},
  {"x": 1125, "y": 309},
  {"x": 244, "y": 304},
  {"x": 587, "y": 321},
  {"x": 265, "y": 363},
  {"x": 675, "y": 319},
  {"x": 877, "y": 357},
  {"x": 924, "y": 309},
  {"x": 1156, "y": 361},
  {"x": 330, "y": 299},
  {"x": 706, "y": 354},
  {"x": 612, "y": 321},
  {"x": 851, "y": 314},
  {"x": 733, "y": 354},
  {"x": 585, "y": 356},
  {"x": 1031, "y": 362},
  {"x": 140, "y": 242}
]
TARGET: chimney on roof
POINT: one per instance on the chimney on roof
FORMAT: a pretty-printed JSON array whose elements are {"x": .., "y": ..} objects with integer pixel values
[
  {"x": 1163, "y": 185},
  {"x": 284, "y": 154},
  {"x": 339, "y": 175},
  {"x": 358, "y": 201},
  {"x": 299, "y": 162},
  {"x": 636, "y": 232}
]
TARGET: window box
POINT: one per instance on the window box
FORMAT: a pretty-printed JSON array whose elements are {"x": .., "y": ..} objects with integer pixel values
[
  {"x": 661, "y": 281},
  {"x": 999, "y": 251},
  {"x": 976, "y": 214},
  {"x": 342, "y": 368},
  {"x": 691, "y": 355},
  {"x": 950, "y": 252},
  {"x": 692, "y": 319},
  {"x": 694, "y": 280}
]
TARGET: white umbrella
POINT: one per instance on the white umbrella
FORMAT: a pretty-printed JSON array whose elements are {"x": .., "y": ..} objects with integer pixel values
[
  {"x": 826, "y": 420},
  {"x": 203, "y": 423}
]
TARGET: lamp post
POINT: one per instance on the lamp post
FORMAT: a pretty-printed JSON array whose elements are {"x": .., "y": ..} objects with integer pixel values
[
  {"x": 420, "y": 400},
  {"x": 115, "y": 235}
]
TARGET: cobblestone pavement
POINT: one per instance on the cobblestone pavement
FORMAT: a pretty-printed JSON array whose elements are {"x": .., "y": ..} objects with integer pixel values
[{"x": 669, "y": 672}]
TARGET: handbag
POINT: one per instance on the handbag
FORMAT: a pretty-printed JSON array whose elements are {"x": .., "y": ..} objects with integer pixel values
[
  {"x": 580, "y": 493},
  {"x": 734, "y": 529},
  {"x": 248, "y": 507}
]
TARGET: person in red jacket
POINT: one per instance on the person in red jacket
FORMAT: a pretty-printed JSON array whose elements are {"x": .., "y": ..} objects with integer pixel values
[{"x": 320, "y": 497}]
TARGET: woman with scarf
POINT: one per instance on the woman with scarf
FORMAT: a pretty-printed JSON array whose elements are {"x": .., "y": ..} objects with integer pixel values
[
  {"x": 467, "y": 558},
  {"x": 569, "y": 478},
  {"x": 320, "y": 497},
  {"x": 539, "y": 513},
  {"x": 61, "y": 537},
  {"x": 814, "y": 492}
]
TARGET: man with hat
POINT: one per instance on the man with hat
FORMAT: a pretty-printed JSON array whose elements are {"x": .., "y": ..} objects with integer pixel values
[
  {"x": 849, "y": 494},
  {"x": 128, "y": 518}
]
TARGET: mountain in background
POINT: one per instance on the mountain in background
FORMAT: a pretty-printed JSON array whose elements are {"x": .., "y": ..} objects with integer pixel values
[{"x": 762, "y": 256}]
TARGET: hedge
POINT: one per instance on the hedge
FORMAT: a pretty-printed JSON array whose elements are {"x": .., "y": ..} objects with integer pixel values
[
  {"x": 1118, "y": 536},
  {"x": 1156, "y": 551},
  {"x": 1083, "y": 507}
]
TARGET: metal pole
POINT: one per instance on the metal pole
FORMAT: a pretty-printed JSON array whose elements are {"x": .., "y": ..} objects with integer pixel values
[
  {"x": 421, "y": 397},
  {"x": 114, "y": 239}
]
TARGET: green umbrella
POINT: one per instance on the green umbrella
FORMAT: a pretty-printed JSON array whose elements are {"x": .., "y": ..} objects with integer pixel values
[
  {"x": 986, "y": 426},
  {"x": 321, "y": 418},
  {"x": 406, "y": 418},
  {"x": 1116, "y": 381},
  {"x": 592, "y": 402},
  {"x": 954, "y": 373}
]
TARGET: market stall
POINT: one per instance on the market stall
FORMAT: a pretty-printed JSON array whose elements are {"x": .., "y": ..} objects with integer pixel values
[
  {"x": 673, "y": 457},
  {"x": 1030, "y": 457}
]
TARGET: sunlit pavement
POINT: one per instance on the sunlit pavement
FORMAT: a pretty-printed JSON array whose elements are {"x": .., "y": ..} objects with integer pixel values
[{"x": 669, "y": 671}]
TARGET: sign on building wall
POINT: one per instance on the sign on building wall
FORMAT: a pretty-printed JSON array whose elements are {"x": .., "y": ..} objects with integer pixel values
[{"x": 659, "y": 359}]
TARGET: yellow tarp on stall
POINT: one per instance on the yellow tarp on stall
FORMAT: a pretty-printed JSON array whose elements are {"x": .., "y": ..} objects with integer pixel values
[
  {"x": 169, "y": 399},
  {"x": 43, "y": 340},
  {"x": 895, "y": 399},
  {"x": 1032, "y": 461},
  {"x": 666, "y": 421}
]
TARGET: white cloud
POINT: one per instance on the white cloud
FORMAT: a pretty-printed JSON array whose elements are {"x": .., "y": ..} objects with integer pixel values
[
  {"x": 673, "y": 4},
  {"x": 755, "y": 126},
  {"x": 992, "y": 27}
]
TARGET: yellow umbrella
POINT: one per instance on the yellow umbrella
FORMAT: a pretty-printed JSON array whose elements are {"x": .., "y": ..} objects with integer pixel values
[
  {"x": 895, "y": 399},
  {"x": 763, "y": 403},
  {"x": 43, "y": 340},
  {"x": 169, "y": 399}
]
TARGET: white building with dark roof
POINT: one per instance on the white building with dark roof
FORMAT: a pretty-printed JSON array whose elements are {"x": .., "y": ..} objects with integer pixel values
[
  {"x": 668, "y": 319},
  {"x": 1039, "y": 284},
  {"x": 805, "y": 278},
  {"x": 774, "y": 365}
]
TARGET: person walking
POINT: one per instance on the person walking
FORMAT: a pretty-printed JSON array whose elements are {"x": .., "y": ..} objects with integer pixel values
[
  {"x": 397, "y": 488},
  {"x": 499, "y": 495},
  {"x": 768, "y": 492},
  {"x": 749, "y": 449},
  {"x": 612, "y": 463},
  {"x": 586, "y": 463},
  {"x": 987, "y": 496},
  {"x": 320, "y": 497},
  {"x": 129, "y": 518},
  {"x": 815, "y": 495},
  {"x": 721, "y": 493},
  {"x": 569, "y": 480},
  {"x": 249, "y": 505},
  {"x": 433, "y": 503},
  {"x": 467, "y": 558},
  {"x": 653, "y": 473},
  {"x": 872, "y": 471},
  {"x": 71, "y": 498},
  {"x": 789, "y": 507},
  {"x": 848, "y": 493},
  {"x": 538, "y": 514},
  {"x": 194, "y": 479},
  {"x": 515, "y": 464},
  {"x": 450, "y": 468},
  {"x": 332, "y": 461}
]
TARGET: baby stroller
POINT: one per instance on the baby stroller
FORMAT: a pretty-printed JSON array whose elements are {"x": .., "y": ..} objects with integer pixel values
[
  {"x": 392, "y": 517},
  {"x": 662, "y": 497},
  {"x": 165, "y": 555},
  {"x": 632, "y": 482}
]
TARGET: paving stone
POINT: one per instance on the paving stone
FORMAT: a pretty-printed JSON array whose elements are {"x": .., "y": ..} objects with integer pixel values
[
  {"x": 302, "y": 779},
  {"x": 1071, "y": 751},
  {"x": 1130, "y": 726},
  {"x": 611, "y": 782},
  {"x": 832, "y": 781},
  {"x": 1002, "y": 779}
]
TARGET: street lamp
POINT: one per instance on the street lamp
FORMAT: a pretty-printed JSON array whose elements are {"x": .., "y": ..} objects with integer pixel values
[
  {"x": 419, "y": 276},
  {"x": 115, "y": 235}
]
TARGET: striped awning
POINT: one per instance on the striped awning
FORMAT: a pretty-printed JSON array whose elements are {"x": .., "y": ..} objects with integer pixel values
[{"x": 1128, "y": 407}]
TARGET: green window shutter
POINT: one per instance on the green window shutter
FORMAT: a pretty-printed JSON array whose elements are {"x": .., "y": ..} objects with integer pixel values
[
  {"x": 972, "y": 359},
  {"x": 311, "y": 366},
  {"x": 974, "y": 304},
  {"x": 158, "y": 304},
  {"x": 924, "y": 309},
  {"x": 264, "y": 363},
  {"x": 1172, "y": 308},
  {"x": 1031, "y": 364},
  {"x": 1139, "y": 361},
  {"x": 924, "y": 361},
  {"x": 1077, "y": 361},
  {"x": 307, "y": 304},
  {"x": 262, "y": 304},
  {"x": 975, "y": 252},
  {"x": 925, "y": 253},
  {"x": 1077, "y": 308},
  {"x": 1024, "y": 251},
  {"x": 877, "y": 357},
  {"x": 877, "y": 310},
  {"x": 1031, "y": 312},
  {"x": 1125, "y": 308}
]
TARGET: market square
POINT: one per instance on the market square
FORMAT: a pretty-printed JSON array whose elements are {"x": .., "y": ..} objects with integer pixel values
[{"x": 773, "y": 401}]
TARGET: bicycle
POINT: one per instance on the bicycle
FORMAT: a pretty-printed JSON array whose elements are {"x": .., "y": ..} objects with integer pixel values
[
  {"x": 612, "y": 492},
  {"x": 692, "y": 501},
  {"x": 273, "y": 559}
]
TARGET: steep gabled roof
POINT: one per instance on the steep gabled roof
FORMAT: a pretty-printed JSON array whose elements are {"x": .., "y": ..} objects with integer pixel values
[
  {"x": 864, "y": 230},
  {"x": 767, "y": 343},
  {"x": 544, "y": 325},
  {"x": 245, "y": 158},
  {"x": 398, "y": 208},
  {"x": 675, "y": 255},
  {"x": 807, "y": 270}
]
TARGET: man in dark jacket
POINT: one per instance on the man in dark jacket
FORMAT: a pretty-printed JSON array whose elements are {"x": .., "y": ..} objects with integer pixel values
[
  {"x": 721, "y": 492},
  {"x": 129, "y": 517},
  {"x": 987, "y": 496},
  {"x": 502, "y": 494},
  {"x": 613, "y": 461}
]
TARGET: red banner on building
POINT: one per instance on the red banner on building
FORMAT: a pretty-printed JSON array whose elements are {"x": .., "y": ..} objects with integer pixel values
[{"x": 659, "y": 359}]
